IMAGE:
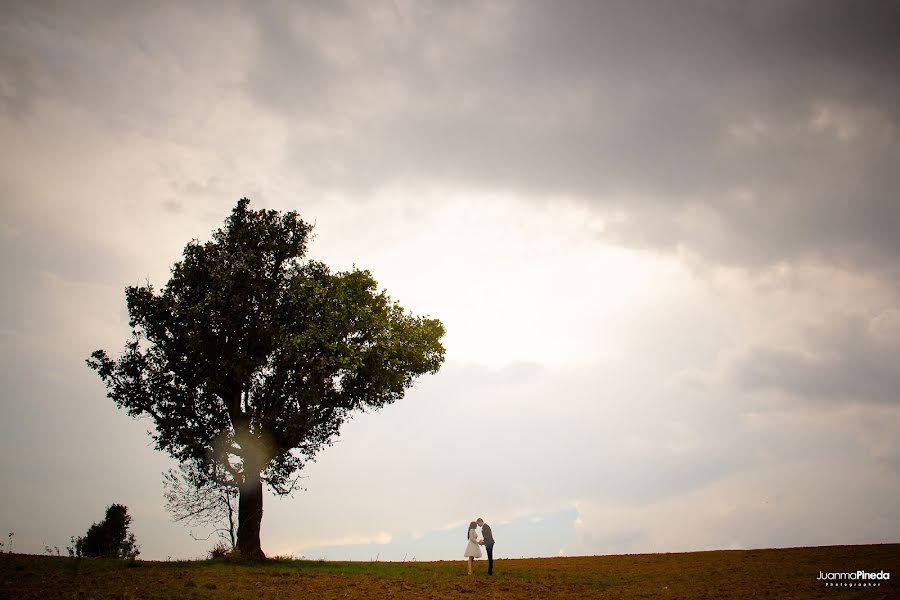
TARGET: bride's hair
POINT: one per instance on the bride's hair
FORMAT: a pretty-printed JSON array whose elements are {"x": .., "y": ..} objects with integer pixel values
[{"x": 472, "y": 526}]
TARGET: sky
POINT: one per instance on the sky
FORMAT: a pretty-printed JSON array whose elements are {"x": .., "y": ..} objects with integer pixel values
[{"x": 663, "y": 239}]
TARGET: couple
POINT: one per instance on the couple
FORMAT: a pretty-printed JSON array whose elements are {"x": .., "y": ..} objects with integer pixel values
[{"x": 487, "y": 540}]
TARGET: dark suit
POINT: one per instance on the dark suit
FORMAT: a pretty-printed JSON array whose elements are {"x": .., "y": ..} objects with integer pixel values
[{"x": 488, "y": 537}]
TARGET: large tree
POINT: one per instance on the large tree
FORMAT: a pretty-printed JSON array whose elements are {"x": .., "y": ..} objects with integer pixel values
[{"x": 251, "y": 357}]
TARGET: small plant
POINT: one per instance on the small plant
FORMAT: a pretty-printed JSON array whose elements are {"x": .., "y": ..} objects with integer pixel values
[{"x": 220, "y": 550}]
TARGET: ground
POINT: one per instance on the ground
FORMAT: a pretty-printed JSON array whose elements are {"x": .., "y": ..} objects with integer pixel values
[{"x": 778, "y": 573}]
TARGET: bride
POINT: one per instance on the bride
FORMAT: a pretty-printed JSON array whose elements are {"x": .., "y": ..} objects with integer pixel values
[{"x": 473, "y": 551}]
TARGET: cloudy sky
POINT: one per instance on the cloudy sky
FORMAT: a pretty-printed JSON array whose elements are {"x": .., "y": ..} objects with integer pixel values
[{"x": 664, "y": 238}]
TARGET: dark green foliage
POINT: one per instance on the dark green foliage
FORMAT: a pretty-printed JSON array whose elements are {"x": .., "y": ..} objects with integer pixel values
[
  {"x": 250, "y": 359},
  {"x": 110, "y": 538}
]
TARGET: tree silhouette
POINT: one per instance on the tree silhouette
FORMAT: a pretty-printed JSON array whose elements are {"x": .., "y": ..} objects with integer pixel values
[
  {"x": 250, "y": 358},
  {"x": 110, "y": 537}
]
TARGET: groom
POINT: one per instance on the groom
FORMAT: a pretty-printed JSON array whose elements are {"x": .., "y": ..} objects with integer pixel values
[{"x": 487, "y": 540}]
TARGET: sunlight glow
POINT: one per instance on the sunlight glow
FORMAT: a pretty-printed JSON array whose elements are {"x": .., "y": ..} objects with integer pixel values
[{"x": 509, "y": 285}]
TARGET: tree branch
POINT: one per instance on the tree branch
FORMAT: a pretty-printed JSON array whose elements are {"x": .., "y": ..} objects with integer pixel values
[{"x": 238, "y": 476}]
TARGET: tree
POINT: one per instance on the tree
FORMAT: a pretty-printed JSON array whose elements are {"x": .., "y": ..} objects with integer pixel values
[
  {"x": 109, "y": 538},
  {"x": 197, "y": 500},
  {"x": 250, "y": 358}
]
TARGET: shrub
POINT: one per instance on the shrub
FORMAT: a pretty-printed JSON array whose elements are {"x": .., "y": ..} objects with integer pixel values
[
  {"x": 220, "y": 550},
  {"x": 110, "y": 537}
]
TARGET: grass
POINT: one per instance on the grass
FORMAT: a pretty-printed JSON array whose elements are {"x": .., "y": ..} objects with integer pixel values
[{"x": 777, "y": 573}]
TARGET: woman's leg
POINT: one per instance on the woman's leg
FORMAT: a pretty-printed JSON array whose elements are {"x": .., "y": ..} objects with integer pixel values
[{"x": 471, "y": 565}]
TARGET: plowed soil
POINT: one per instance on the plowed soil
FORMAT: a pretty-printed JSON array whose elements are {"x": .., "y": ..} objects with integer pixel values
[{"x": 778, "y": 573}]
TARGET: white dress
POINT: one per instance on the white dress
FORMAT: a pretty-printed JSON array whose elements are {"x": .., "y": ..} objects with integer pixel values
[{"x": 472, "y": 548}]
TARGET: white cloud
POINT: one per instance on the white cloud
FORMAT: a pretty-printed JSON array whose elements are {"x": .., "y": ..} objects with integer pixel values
[{"x": 802, "y": 502}]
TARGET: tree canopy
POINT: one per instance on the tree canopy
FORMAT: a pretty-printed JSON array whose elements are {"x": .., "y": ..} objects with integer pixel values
[{"x": 251, "y": 357}]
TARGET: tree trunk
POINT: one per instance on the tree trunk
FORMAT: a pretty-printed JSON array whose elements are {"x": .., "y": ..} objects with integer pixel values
[
  {"x": 232, "y": 534},
  {"x": 250, "y": 512}
]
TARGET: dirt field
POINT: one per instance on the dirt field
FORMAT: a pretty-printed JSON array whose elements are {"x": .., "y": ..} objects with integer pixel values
[{"x": 784, "y": 573}]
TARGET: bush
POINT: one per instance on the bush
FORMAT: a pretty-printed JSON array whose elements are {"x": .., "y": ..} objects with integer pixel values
[
  {"x": 234, "y": 556},
  {"x": 110, "y": 537},
  {"x": 220, "y": 550}
]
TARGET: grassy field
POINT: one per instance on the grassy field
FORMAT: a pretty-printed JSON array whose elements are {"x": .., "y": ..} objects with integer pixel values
[{"x": 780, "y": 573}]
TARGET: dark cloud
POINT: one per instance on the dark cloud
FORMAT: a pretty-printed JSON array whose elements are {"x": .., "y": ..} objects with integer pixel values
[
  {"x": 745, "y": 132},
  {"x": 748, "y": 132},
  {"x": 131, "y": 67},
  {"x": 850, "y": 360},
  {"x": 291, "y": 73}
]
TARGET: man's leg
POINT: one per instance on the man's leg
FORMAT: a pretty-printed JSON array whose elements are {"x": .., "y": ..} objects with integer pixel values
[{"x": 490, "y": 551}]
